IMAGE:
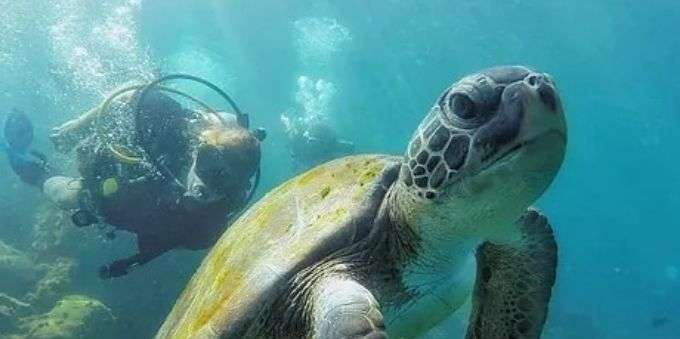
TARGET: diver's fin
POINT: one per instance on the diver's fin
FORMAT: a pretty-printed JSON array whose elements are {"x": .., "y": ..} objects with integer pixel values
[
  {"x": 18, "y": 131},
  {"x": 117, "y": 268},
  {"x": 31, "y": 166},
  {"x": 30, "y": 169},
  {"x": 514, "y": 282}
]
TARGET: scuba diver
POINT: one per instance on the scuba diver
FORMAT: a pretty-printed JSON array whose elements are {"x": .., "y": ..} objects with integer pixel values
[
  {"x": 311, "y": 144},
  {"x": 174, "y": 176},
  {"x": 311, "y": 139}
]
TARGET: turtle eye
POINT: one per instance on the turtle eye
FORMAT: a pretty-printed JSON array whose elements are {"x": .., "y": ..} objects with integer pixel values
[{"x": 462, "y": 106}]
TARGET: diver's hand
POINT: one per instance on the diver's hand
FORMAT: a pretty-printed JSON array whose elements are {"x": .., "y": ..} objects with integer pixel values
[
  {"x": 116, "y": 269},
  {"x": 63, "y": 136}
]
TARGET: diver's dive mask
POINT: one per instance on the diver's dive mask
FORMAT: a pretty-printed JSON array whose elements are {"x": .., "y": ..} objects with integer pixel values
[{"x": 224, "y": 165}]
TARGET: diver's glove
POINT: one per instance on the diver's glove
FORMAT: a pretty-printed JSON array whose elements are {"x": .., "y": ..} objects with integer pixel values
[
  {"x": 116, "y": 269},
  {"x": 83, "y": 218},
  {"x": 64, "y": 137}
]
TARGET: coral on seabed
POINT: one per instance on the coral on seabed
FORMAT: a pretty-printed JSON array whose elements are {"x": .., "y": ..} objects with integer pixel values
[
  {"x": 74, "y": 316},
  {"x": 53, "y": 285},
  {"x": 38, "y": 304},
  {"x": 17, "y": 270},
  {"x": 54, "y": 235},
  {"x": 49, "y": 231}
]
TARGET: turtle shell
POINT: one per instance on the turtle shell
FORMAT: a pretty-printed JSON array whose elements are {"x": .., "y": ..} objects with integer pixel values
[{"x": 297, "y": 224}]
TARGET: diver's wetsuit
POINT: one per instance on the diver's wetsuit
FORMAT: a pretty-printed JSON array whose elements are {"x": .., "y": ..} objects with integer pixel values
[
  {"x": 147, "y": 202},
  {"x": 142, "y": 171}
]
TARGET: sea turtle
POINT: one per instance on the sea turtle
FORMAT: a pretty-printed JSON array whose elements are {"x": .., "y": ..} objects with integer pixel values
[{"x": 372, "y": 245}]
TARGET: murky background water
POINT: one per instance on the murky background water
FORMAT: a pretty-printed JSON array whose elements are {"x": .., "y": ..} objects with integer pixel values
[{"x": 371, "y": 69}]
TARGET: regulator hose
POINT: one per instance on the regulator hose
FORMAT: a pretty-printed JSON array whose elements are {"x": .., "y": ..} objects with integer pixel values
[
  {"x": 125, "y": 156},
  {"x": 241, "y": 118},
  {"x": 128, "y": 157}
]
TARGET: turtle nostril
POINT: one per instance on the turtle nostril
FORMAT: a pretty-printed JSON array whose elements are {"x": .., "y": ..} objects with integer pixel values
[
  {"x": 532, "y": 80},
  {"x": 547, "y": 78},
  {"x": 547, "y": 95}
]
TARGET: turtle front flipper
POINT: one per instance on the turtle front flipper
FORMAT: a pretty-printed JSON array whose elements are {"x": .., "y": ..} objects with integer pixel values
[
  {"x": 514, "y": 283},
  {"x": 343, "y": 308}
]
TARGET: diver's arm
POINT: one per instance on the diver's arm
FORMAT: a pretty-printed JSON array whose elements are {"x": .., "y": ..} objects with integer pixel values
[
  {"x": 66, "y": 136},
  {"x": 122, "y": 267},
  {"x": 149, "y": 249}
]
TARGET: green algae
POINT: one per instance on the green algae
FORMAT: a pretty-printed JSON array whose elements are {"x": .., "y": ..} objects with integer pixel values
[
  {"x": 325, "y": 191},
  {"x": 74, "y": 316},
  {"x": 17, "y": 271},
  {"x": 55, "y": 283}
]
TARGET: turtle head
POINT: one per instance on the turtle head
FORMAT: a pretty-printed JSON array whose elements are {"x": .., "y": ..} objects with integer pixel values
[{"x": 491, "y": 144}]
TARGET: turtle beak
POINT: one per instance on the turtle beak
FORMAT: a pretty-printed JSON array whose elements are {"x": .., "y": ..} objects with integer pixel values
[{"x": 528, "y": 109}]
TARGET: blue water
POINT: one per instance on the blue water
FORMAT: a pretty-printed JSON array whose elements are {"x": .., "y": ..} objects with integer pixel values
[{"x": 614, "y": 204}]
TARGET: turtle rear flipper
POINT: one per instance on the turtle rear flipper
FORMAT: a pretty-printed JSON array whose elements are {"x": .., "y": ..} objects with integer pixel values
[{"x": 514, "y": 282}]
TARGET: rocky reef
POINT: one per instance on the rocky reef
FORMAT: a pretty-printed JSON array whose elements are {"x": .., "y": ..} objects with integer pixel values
[
  {"x": 55, "y": 283},
  {"x": 36, "y": 290},
  {"x": 74, "y": 316},
  {"x": 49, "y": 231},
  {"x": 17, "y": 270}
]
